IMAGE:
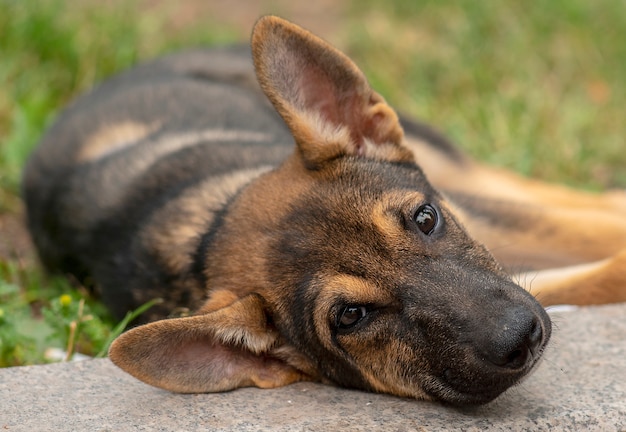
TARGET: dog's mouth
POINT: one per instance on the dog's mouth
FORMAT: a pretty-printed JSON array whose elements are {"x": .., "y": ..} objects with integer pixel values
[
  {"x": 480, "y": 382},
  {"x": 454, "y": 389}
]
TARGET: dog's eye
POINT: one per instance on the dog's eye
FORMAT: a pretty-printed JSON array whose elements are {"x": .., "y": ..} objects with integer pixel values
[
  {"x": 350, "y": 316},
  {"x": 426, "y": 219}
]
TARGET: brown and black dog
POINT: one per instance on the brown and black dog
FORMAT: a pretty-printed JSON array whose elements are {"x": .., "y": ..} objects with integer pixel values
[{"x": 353, "y": 257}]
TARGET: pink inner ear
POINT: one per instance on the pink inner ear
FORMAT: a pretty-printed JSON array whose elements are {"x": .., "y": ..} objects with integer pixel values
[
  {"x": 336, "y": 105},
  {"x": 318, "y": 94},
  {"x": 221, "y": 362},
  {"x": 342, "y": 99},
  {"x": 201, "y": 364},
  {"x": 202, "y": 351}
]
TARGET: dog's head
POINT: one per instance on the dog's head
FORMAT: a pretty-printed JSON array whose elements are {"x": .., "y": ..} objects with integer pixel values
[{"x": 343, "y": 265}]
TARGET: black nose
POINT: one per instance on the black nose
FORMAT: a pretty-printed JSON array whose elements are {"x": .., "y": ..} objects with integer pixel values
[{"x": 517, "y": 340}]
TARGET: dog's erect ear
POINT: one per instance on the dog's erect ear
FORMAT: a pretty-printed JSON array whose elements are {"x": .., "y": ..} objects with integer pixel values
[
  {"x": 218, "y": 351},
  {"x": 323, "y": 96}
]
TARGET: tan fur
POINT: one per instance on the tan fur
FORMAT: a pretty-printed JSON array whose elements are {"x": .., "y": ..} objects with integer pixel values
[
  {"x": 177, "y": 224},
  {"x": 585, "y": 284},
  {"x": 114, "y": 138},
  {"x": 384, "y": 220},
  {"x": 387, "y": 378}
]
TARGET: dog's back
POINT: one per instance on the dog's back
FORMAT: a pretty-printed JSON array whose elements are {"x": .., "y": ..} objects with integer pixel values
[{"x": 131, "y": 150}]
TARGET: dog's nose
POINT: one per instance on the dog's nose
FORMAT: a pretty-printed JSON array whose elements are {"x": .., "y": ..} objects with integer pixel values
[{"x": 518, "y": 340}]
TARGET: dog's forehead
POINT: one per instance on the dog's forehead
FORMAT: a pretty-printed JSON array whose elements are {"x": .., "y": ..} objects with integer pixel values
[{"x": 363, "y": 180}]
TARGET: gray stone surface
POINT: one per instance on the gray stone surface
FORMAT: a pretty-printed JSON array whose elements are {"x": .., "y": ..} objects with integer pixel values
[{"x": 581, "y": 385}]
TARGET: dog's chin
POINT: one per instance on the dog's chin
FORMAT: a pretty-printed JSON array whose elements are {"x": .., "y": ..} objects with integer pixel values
[
  {"x": 450, "y": 388},
  {"x": 450, "y": 396}
]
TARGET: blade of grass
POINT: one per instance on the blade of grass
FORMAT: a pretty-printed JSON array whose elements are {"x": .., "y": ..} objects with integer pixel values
[{"x": 121, "y": 326}]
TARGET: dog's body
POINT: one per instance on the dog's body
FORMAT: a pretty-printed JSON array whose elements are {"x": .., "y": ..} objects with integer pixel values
[{"x": 336, "y": 262}]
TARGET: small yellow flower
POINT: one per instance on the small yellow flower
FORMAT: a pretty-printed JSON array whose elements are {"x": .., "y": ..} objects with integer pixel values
[{"x": 65, "y": 300}]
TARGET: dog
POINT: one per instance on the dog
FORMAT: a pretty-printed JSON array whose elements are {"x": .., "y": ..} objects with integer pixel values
[{"x": 315, "y": 234}]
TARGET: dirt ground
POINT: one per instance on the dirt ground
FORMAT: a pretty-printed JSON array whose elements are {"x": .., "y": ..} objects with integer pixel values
[
  {"x": 14, "y": 239},
  {"x": 322, "y": 17}
]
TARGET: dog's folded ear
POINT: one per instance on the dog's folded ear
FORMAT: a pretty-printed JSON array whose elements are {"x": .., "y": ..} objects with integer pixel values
[
  {"x": 323, "y": 96},
  {"x": 218, "y": 351}
]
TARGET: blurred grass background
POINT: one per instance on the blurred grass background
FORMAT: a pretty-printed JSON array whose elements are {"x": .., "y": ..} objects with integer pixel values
[{"x": 537, "y": 87}]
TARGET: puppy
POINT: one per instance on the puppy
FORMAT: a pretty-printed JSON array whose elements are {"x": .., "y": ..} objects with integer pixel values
[{"x": 314, "y": 234}]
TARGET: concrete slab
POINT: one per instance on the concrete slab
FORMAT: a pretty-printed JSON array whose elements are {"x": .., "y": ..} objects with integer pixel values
[{"x": 581, "y": 385}]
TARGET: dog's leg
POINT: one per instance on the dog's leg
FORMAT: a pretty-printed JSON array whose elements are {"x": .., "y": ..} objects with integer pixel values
[
  {"x": 592, "y": 283},
  {"x": 518, "y": 188},
  {"x": 525, "y": 236}
]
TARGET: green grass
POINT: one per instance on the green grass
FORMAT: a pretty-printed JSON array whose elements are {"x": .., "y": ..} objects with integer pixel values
[
  {"x": 535, "y": 87},
  {"x": 53, "y": 49}
]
